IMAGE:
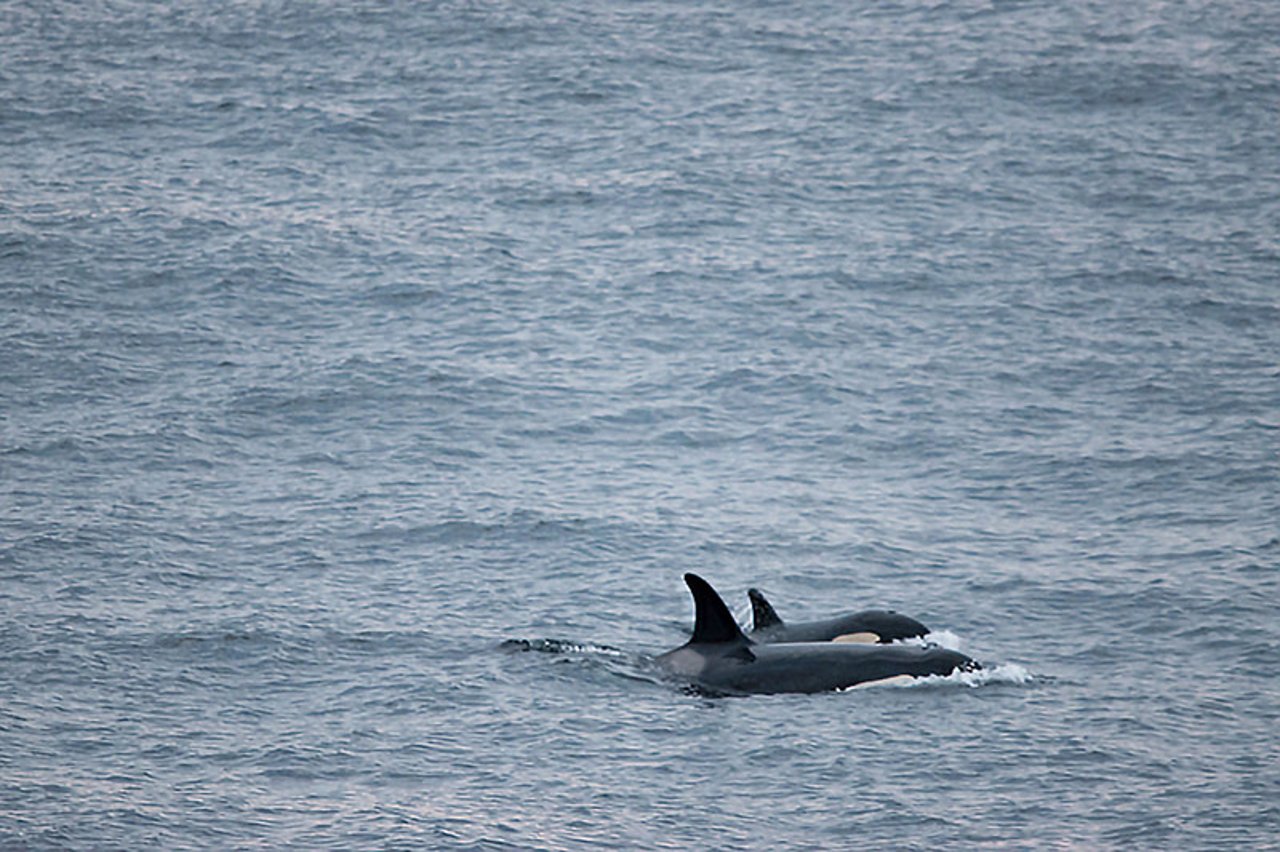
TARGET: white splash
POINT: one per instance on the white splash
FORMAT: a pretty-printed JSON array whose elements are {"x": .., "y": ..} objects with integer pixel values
[
  {"x": 1006, "y": 673},
  {"x": 1009, "y": 673},
  {"x": 941, "y": 638},
  {"x": 563, "y": 646},
  {"x": 946, "y": 639}
]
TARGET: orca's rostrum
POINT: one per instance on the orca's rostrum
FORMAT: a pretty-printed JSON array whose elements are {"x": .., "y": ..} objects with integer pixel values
[{"x": 722, "y": 659}]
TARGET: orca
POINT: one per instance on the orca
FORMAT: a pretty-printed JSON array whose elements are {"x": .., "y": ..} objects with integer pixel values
[
  {"x": 721, "y": 660},
  {"x": 868, "y": 626}
]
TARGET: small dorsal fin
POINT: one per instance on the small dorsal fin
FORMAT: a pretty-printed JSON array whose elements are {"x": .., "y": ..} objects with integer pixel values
[
  {"x": 763, "y": 615},
  {"x": 712, "y": 621}
]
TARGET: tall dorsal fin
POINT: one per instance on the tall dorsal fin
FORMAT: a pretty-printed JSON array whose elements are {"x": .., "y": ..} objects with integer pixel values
[
  {"x": 712, "y": 621},
  {"x": 763, "y": 615}
]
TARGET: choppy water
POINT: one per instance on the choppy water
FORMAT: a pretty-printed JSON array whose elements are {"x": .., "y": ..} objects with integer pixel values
[{"x": 342, "y": 343}]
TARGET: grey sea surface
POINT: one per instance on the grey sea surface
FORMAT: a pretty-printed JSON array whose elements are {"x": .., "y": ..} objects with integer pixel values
[{"x": 343, "y": 343}]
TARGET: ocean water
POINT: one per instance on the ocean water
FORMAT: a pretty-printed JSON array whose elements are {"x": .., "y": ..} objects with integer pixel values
[{"x": 343, "y": 343}]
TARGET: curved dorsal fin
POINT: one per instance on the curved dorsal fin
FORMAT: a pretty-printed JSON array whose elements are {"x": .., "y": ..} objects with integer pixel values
[
  {"x": 712, "y": 621},
  {"x": 763, "y": 615}
]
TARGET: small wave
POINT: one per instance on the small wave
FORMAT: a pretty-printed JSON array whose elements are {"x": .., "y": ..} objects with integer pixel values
[
  {"x": 1004, "y": 673},
  {"x": 1009, "y": 673},
  {"x": 947, "y": 639},
  {"x": 591, "y": 657},
  {"x": 939, "y": 638},
  {"x": 561, "y": 646}
]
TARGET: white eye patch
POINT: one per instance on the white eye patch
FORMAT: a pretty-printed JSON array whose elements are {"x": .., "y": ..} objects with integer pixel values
[{"x": 861, "y": 638}]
